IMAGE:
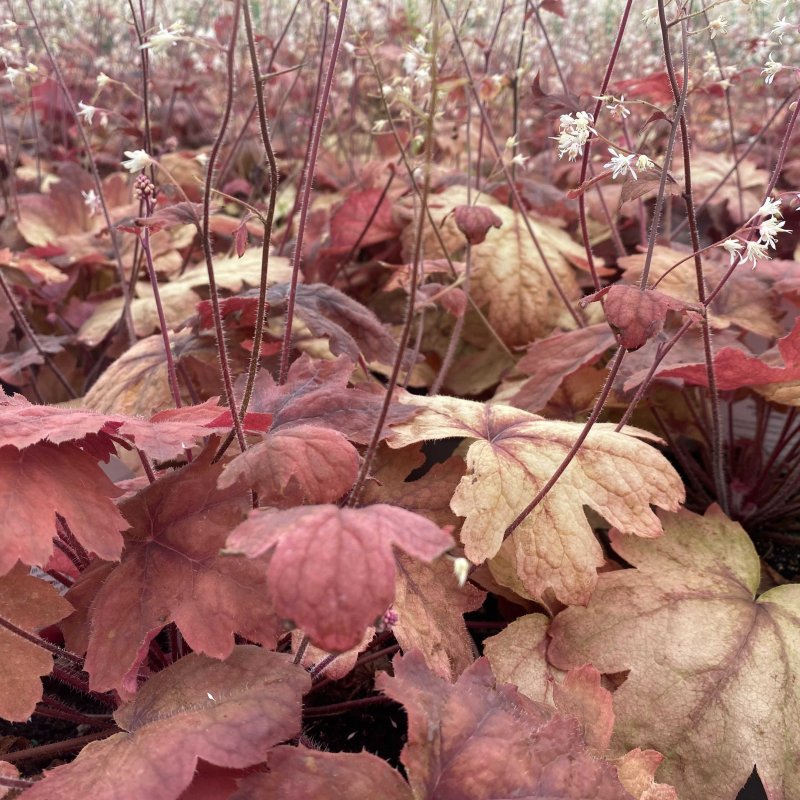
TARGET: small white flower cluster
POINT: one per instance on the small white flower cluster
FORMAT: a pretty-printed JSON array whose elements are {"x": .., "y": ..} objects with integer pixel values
[
  {"x": 768, "y": 230},
  {"x": 574, "y": 132},
  {"x": 164, "y": 37},
  {"x": 623, "y": 165},
  {"x": 771, "y": 69}
]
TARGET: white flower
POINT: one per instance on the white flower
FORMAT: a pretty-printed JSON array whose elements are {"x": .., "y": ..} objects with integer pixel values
[
  {"x": 137, "y": 160},
  {"x": 573, "y": 134},
  {"x": 103, "y": 80},
  {"x": 718, "y": 25},
  {"x": 618, "y": 109},
  {"x": 12, "y": 74},
  {"x": 770, "y": 208},
  {"x": 620, "y": 164},
  {"x": 164, "y": 37},
  {"x": 733, "y": 246},
  {"x": 461, "y": 569},
  {"x": 92, "y": 202},
  {"x": 781, "y": 28},
  {"x": 9, "y": 25},
  {"x": 771, "y": 69},
  {"x": 643, "y": 163},
  {"x": 201, "y": 159},
  {"x": 754, "y": 252},
  {"x": 769, "y": 229},
  {"x": 650, "y": 15},
  {"x": 519, "y": 160},
  {"x": 87, "y": 112},
  {"x": 410, "y": 63},
  {"x": 31, "y": 69}
]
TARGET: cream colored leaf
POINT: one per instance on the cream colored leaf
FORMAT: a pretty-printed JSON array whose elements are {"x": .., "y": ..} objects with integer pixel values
[
  {"x": 713, "y": 679},
  {"x": 508, "y": 274},
  {"x": 137, "y": 383},
  {"x": 180, "y": 297},
  {"x": 518, "y": 655},
  {"x": 513, "y": 456}
]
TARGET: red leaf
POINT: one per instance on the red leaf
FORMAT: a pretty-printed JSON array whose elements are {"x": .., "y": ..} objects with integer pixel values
[
  {"x": 475, "y": 221},
  {"x": 736, "y": 369},
  {"x": 297, "y": 772},
  {"x": 655, "y": 87},
  {"x": 302, "y": 464},
  {"x": 349, "y": 221},
  {"x": 171, "y": 570},
  {"x": 333, "y": 571},
  {"x": 316, "y": 393},
  {"x": 636, "y": 315},
  {"x": 30, "y": 604},
  {"x": 163, "y": 436},
  {"x": 43, "y": 480},
  {"x": 476, "y": 739},
  {"x": 227, "y": 713}
]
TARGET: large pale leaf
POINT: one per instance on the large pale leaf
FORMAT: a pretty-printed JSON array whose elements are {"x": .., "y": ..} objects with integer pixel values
[
  {"x": 508, "y": 274},
  {"x": 713, "y": 681},
  {"x": 333, "y": 569},
  {"x": 228, "y": 713},
  {"x": 513, "y": 455}
]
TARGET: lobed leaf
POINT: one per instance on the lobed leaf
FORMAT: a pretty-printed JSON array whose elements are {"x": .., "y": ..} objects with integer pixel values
[
  {"x": 172, "y": 571},
  {"x": 513, "y": 455},
  {"x": 333, "y": 571},
  {"x": 480, "y": 740},
  {"x": 713, "y": 681},
  {"x": 228, "y": 713}
]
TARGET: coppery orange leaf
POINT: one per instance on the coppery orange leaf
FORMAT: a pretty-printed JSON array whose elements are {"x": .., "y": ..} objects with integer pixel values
[
  {"x": 297, "y": 772},
  {"x": 29, "y": 604},
  {"x": 477, "y": 739}
]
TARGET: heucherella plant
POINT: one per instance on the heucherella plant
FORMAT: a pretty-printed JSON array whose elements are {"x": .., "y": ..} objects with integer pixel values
[{"x": 389, "y": 410}]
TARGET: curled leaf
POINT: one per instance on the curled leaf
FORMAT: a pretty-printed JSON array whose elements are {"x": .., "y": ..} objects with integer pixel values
[
  {"x": 474, "y": 222},
  {"x": 637, "y": 315}
]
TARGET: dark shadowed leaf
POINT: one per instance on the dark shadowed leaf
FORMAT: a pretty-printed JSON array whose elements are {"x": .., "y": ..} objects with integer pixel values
[
  {"x": 351, "y": 328},
  {"x": 228, "y": 713}
]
